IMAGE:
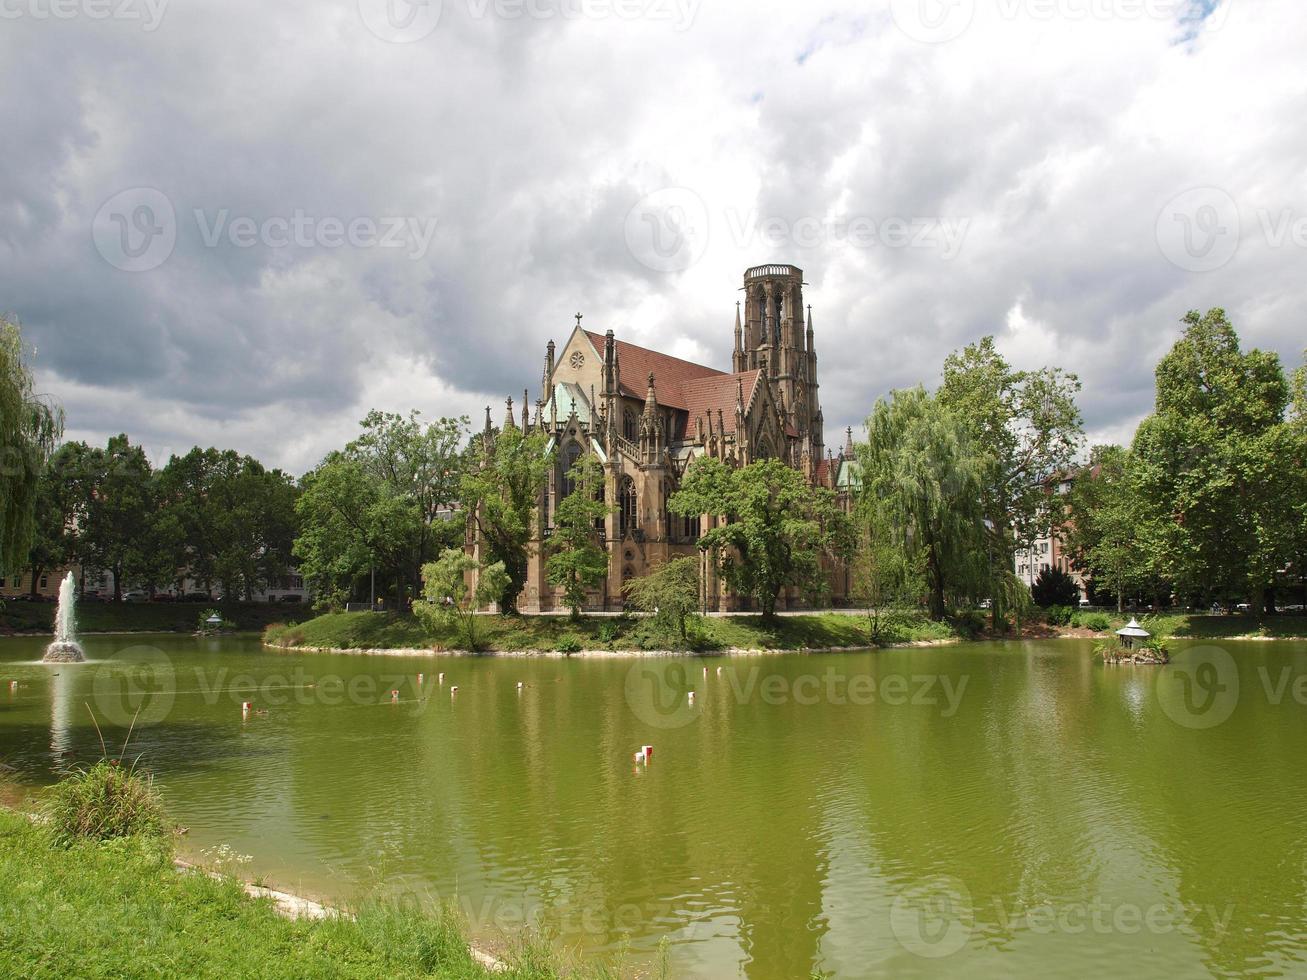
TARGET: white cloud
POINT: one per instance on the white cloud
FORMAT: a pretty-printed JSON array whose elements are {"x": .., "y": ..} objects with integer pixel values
[{"x": 1054, "y": 143}]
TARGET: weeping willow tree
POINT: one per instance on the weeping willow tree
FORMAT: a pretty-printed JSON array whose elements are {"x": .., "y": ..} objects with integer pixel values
[
  {"x": 29, "y": 429},
  {"x": 921, "y": 470}
]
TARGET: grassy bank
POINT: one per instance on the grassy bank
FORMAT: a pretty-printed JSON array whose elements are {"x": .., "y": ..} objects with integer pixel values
[
  {"x": 354, "y": 631},
  {"x": 144, "y": 617},
  {"x": 120, "y": 908},
  {"x": 361, "y": 631}
]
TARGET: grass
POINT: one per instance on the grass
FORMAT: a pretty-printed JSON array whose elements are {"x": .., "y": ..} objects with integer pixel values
[
  {"x": 83, "y": 898},
  {"x": 143, "y": 617},
  {"x": 353, "y": 631},
  {"x": 106, "y": 802}
]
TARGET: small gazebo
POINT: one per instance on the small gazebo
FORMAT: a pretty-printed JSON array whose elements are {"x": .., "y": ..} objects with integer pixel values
[{"x": 1131, "y": 632}]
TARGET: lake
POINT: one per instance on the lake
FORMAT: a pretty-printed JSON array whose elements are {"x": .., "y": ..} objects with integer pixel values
[{"x": 987, "y": 810}]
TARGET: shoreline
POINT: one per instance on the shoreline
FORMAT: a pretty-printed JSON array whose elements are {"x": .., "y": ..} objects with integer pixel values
[
  {"x": 598, "y": 654},
  {"x": 287, "y": 904}
]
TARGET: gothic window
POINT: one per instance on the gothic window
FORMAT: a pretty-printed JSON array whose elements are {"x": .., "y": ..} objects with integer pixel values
[
  {"x": 577, "y": 360},
  {"x": 690, "y": 527},
  {"x": 630, "y": 428},
  {"x": 570, "y": 458},
  {"x": 627, "y": 505}
]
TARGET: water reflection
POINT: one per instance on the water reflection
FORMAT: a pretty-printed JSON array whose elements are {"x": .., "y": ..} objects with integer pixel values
[{"x": 1054, "y": 820}]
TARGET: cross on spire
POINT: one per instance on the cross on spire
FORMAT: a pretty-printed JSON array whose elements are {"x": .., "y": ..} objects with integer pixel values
[{"x": 578, "y": 320}]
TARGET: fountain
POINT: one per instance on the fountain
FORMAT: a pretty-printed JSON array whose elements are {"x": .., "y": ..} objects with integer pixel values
[{"x": 65, "y": 648}]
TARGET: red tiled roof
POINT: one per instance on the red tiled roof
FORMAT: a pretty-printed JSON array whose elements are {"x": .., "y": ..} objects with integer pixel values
[
  {"x": 708, "y": 395},
  {"x": 670, "y": 373}
]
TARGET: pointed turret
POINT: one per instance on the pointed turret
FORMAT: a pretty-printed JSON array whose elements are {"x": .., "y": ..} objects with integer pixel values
[
  {"x": 547, "y": 382},
  {"x": 508, "y": 415},
  {"x": 738, "y": 358}
]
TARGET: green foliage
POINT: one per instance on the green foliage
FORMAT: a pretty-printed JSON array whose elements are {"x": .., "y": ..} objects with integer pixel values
[
  {"x": 670, "y": 594},
  {"x": 883, "y": 574},
  {"x": 921, "y": 471},
  {"x": 226, "y": 519},
  {"x": 1105, "y": 516},
  {"x": 500, "y": 491},
  {"x": 450, "y": 599},
  {"x": 1058, "y": 615},
  {"x": 382, "y": 502},
  {"x": 1221, "y": 473},
  {"x": 608, "y": 634},
  {"x": 777, "y": 527},
  {"x": 29, "y": 429},
  {"x": 577, "y": 560},
  {"x": 1054, "y": 587},
  {"x": 571, "y": 643},
  {"x": 1096, "y": 621},
  {"x": 1027, "y": 429},
  {"x": 104, "y": 802}
]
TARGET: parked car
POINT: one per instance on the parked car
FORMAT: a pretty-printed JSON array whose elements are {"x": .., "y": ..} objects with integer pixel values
[{"x": 134, "y": 597}]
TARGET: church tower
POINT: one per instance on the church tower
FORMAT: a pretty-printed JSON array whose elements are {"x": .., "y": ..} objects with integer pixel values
[{"x": 776, "y": 334}]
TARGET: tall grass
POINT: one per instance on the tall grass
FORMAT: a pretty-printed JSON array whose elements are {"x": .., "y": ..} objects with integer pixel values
[{"x": 105, "y": 802}]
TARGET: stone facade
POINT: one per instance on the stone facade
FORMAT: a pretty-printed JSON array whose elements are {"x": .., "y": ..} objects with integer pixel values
[{"x": 646, "y": 415}]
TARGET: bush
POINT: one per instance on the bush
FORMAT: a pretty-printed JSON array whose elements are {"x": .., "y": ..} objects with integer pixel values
[
  {"x": 103, "y": 803},
  {"x": 970, "y": 623},
  {"x": 571, "y": 643},
  {"x": 1096, "y": 621},
  {"x": 608, "y": 634},
  {"x": 1058, "y": 615}
]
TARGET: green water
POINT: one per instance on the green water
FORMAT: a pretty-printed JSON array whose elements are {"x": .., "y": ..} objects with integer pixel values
[{"x": 981, "y": 810}]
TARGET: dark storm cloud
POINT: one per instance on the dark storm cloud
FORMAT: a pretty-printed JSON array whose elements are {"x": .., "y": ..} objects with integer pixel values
[{"x": 514, "y": 147}]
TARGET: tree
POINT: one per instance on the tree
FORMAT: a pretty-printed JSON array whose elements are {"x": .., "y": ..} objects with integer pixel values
[
  {"x": 500, "y": 490},
  {"x": 920, "y": 467},
  {"x": 577, "y": 561},
  {"x": 670, "y": 593},
  {"x": 1028, "y": 428},
  {"x": 882, "y": 573},
  {"x": 776, "y": 531},
  {"x": 1054, "y": 587},
  {"x": 118, "y": 483},
  {"x": 448, "y": 600},
  {"x": 30, "y": 428},
  {"x": 1220, "y": 471},
  {"x": 383, "y": 501},
  {"x": 1104, "y": 524}
]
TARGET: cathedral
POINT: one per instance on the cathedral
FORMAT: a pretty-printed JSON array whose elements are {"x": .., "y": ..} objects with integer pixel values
[{"x": 646, "y": 415}]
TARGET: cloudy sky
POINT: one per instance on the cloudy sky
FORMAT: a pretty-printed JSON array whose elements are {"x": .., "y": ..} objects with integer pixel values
[{"x": 246, "y": 223}]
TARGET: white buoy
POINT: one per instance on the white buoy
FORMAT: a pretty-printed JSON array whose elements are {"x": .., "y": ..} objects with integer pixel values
[
  {"x": 520, "y": 685},
  {"x": 692, "y": 697},
  {"x": 639, "y": 758},
  {"x": 246, "y": 706},
  {"x": 13, "y": 685},
  {"x": 719, "y": 672},
  {"x": 394, "y": 697},
  {"x": 453, "y": 689},
  {"x": 648, "y": 752},
  {"x": 441, "y": 676},
  {"x": 421, "y": 678}
]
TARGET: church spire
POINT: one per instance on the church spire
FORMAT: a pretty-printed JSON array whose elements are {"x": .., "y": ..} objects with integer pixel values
[
  {"x": 737, "y": 359},
  {"x": 508, "y": 415}
]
